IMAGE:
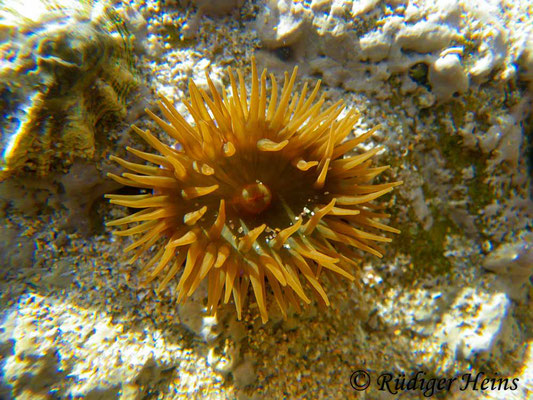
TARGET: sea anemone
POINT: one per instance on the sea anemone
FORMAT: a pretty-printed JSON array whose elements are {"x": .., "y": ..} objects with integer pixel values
[{"x": 267, "y": 192}]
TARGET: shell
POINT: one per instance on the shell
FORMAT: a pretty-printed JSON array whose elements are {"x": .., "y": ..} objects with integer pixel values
[{"x": 68, "y": 68}]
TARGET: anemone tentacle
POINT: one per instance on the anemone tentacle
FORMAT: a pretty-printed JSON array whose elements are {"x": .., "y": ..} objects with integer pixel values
[{"x": 263, "y": 195}]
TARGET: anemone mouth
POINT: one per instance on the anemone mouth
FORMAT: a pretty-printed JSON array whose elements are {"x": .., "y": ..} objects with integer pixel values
[
  {"x": 255, "y": 198},
  {"x": 261, "y": 195},
  {"x": 269, "y": 191}
]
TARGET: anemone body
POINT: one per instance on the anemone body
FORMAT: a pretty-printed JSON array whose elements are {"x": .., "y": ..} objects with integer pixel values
[{"x": 261, "y": 193}]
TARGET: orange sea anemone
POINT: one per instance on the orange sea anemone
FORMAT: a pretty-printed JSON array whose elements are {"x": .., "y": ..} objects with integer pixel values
[{"x": 257, "y": 190}]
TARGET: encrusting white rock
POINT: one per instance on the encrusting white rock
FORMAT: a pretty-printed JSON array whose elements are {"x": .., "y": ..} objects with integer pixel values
[
  {"x": 514, "y": 263},
  {"x": 447, "y": 76},
  {"x": 280, "y": 23},
  {"x": 483, "y": 328},
  {"x": 425, "y": 37},
  {"x": 362, "y": 41}
]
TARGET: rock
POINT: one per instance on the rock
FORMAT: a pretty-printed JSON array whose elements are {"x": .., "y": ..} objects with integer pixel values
[
  {"x": 447, "y": 76},
  {"x": 281, "y": 23},
  {"x": 425, "y": 37},
  {"x": 513, "y": 262},
  {"x": 217, "y": 7}
]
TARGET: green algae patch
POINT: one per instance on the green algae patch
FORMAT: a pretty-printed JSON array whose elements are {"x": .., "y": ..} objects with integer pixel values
[{"x": 426, "y": 248}]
